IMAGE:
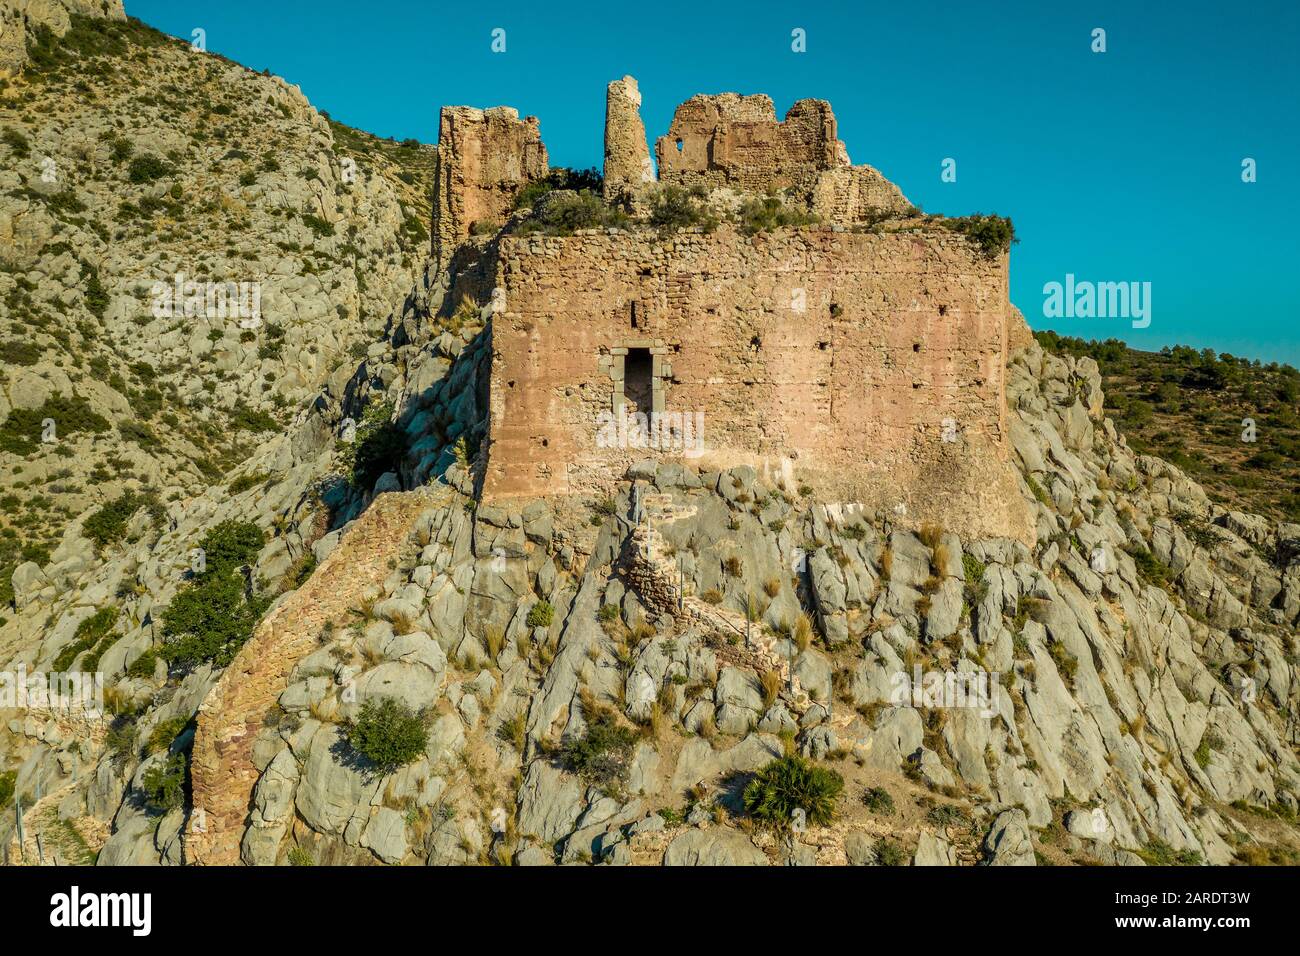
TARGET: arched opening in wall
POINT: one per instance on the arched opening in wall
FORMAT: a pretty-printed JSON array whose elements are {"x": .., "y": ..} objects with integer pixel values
[{"x": 638, "y": 379}]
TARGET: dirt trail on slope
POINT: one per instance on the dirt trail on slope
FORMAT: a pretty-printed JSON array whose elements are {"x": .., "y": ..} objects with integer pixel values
[{"x": 221, "y": 767}]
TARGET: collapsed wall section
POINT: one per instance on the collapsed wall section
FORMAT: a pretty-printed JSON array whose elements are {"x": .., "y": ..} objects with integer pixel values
[
  {"x": 737, "y": 142},
  {"x": 874, "y": 361}
]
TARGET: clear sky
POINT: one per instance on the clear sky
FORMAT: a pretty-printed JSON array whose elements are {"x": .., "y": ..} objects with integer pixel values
[{"x": 1122, "y": 166}]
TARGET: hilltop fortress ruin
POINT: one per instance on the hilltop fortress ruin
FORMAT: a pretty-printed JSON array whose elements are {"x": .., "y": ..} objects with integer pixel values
[{"x": 861, "y": 355}]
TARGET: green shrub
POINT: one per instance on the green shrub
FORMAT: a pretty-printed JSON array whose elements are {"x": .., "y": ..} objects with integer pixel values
[
  {"x": 993, "y": 234},
  {"x": 120, "y": 738},
  {"x": 147, "y": 168},
  {"x": 577, "y": 180},
  {"x": 140, "y": 433},
  {"x": 878, "y": 800},
  {"x": 1159, "y": 853},
  {"x": 299, "y": 856},
  {"x": 163, "y": 784},
  {"x": 540, "y": 614},
  {"x": 673, "y": 208},
  {"x": 763, "y": 215},
  {"x": 120, "y": 149},
  {"x": 18, "y": 352},
  {"x": 566, "y": 212},
  {"x": 602, "y": 755},
  {"x": 17, "y": 142},
  {"x": 1210, "y": 742},
  {"x": 20, "y": 434},
  {"x": 1149, "y": 567},
  {"x": 378, "y": 447},
  {"x": 211, "y": 618},
  {"x": 789, "y": 784},
  {"x": 890, "y": 853},
  {"x": 8, "y": 781},
  {"x": 164, "y": 733},
  {"x": 246, "y": 482},
  {"x": 143, "y": 666},
  {"x": 253, "y": 420},
  {"x": 108, "y": 525},
  {"x": 388, "y": 734},
  {"x": 91, "y": 632},
  {"x": 317, "y": 225}
]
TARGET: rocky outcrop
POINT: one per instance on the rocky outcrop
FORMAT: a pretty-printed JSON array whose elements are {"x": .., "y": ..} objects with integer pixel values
[{"x": 21, "y": 22}]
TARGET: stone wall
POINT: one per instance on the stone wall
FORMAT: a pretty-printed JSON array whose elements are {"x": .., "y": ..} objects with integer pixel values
[
  {"x": 874, "y": 361},
  {"x": 223, "y": 770},
  {"x": 484, "y": 158},
  {"x": 733, "y": 140}
]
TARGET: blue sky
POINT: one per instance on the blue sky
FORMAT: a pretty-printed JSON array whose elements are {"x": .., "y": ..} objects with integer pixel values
[{"x": 1118, "y": 166}]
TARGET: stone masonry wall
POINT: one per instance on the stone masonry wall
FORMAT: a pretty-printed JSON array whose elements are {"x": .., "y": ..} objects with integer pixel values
[
  {"x": 484, "y": 158},
  {"x": 874, "y": 361},
  {"x": 736, "y": 140}
]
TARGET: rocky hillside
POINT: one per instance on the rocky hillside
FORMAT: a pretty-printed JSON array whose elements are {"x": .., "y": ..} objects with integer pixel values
[
  {"x": 1231, "y": 423},
  {"x": 330, "y": 652},
  {"x": 148, "y": 189}
]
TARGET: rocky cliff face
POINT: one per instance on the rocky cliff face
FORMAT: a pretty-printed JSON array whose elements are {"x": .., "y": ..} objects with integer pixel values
[
  {"x": 189, "y": 252},
  {"x": 23, "y": 23}
]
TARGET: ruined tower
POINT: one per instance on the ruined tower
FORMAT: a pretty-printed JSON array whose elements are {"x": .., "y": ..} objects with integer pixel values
[
  {"x": 485, "y": 157},
  {"x": 868, "y": 358},
  {"x": 627, "y": 156}
]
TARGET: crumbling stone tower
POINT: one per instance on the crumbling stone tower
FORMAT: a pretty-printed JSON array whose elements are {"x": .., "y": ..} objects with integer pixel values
[
  {"x": 484, "y": 158},
  {"x": 627, "y": 158},
  {"x": 867, "y": 360}
]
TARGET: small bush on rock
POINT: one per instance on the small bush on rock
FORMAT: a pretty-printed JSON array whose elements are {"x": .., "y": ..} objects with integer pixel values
[
  {"x": 540, "y": 614},
  {"x": 790, "y": 784},
  {"x": 601, "y": 756},
  {"x": 163, "y": 784},
  {"x": 388, "y": 734}
]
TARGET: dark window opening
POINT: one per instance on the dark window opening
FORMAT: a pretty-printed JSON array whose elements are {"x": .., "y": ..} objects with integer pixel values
[
  {"x": 943, "y": 310},
  {"x": 637, "y": 380},
  {"x": 916, "y": 346},
  {"x": 679, "y": 146}
]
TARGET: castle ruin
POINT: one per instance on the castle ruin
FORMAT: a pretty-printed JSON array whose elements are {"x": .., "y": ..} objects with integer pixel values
[{"x": 860, "y": 359}]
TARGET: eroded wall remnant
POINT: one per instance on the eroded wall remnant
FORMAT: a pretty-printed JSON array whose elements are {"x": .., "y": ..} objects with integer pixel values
[
  {"x": 485, "y": 157},
  {"x": 627, "y": 157},
  {"x": 871, "y": 362},
  {"x": 736, "y": 141}
]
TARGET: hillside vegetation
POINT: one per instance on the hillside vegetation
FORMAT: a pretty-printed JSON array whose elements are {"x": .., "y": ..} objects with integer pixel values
[
  {"x": 1195, "y": 409},
  {"x": 126, "y": 160}
]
